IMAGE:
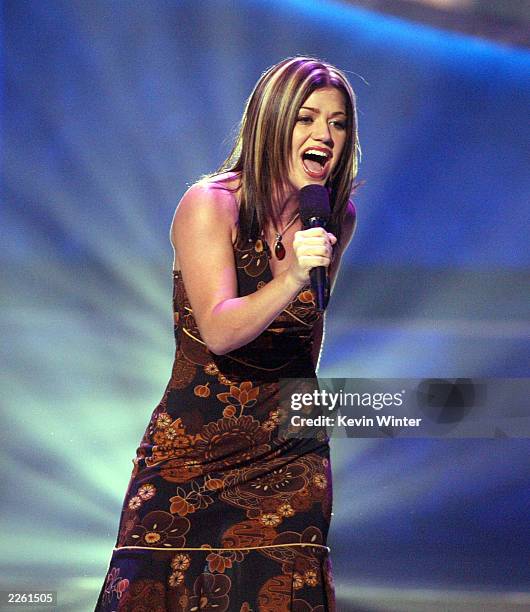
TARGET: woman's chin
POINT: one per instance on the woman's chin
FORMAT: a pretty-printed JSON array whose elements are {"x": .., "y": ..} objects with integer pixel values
[{"x": 301, "y": 181}]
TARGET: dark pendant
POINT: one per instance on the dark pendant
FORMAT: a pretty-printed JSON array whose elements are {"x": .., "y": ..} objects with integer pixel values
[{"x": 279, "y": 250}]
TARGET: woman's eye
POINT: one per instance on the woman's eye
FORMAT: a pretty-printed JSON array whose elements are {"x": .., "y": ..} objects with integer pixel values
[
  {"x": 340, "y": 124},
  {"x": 304, "y": 119}
]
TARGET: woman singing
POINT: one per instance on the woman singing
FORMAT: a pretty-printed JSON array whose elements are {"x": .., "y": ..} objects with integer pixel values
[{"x": 222, "y": 511}]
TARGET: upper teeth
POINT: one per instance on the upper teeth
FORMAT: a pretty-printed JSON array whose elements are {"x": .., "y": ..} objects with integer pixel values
[{"x": 316, "y": 152}]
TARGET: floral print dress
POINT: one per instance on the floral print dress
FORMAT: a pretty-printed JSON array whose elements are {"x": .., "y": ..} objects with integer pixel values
[{"x": 222, "y": 512}]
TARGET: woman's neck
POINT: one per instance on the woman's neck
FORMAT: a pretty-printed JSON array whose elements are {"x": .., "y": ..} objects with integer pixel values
[{"x": 287, "y": 209}]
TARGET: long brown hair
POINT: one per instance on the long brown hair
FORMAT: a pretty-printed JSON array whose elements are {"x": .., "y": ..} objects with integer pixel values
[{"x": 261, "y": 152}]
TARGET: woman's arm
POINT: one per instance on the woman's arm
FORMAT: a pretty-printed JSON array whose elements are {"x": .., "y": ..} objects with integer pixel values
[{"x": 201, "y": 234}]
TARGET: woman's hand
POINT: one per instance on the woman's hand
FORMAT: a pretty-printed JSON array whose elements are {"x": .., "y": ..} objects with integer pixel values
[{"x": 312, "y": 247}]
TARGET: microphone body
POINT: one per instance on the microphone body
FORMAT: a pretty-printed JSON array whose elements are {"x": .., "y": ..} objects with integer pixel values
[
  {"x": 319, "y": 275},
  {"x": 315, "y": 212}
]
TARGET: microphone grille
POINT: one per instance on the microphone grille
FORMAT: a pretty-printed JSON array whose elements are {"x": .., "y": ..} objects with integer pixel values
[{"x": 314, "y": 202}]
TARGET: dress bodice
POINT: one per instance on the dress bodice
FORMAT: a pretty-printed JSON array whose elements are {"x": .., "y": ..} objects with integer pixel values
[{"x": 282, "y": 350}]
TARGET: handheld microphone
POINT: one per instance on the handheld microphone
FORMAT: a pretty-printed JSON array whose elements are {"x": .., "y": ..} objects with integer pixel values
[{"x": 315, "y": 212}]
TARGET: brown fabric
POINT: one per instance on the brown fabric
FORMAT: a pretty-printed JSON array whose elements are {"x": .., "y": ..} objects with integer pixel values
[{"x": 213, "y": 474}]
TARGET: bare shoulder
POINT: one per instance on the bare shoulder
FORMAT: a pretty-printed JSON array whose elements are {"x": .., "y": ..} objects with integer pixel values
[
  {"x": 208, "y": 206},
  {"x": 207, "y": 198},
  {"x": 226, "y": 181},
  {"x": 350, "y": 220}
]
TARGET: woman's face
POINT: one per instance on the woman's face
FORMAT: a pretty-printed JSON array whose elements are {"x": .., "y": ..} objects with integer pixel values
[{"x": 318, "y": 137}]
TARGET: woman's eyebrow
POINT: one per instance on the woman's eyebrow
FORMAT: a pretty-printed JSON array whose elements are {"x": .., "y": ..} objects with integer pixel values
[{"x": 315, "y": 110}]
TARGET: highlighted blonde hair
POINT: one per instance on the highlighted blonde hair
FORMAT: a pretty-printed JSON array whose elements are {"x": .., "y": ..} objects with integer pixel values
[{"x": 262, "y": 147}]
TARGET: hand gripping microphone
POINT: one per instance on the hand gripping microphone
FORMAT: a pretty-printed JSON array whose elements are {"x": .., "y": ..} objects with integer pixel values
[{"x": 315, "y": 212}]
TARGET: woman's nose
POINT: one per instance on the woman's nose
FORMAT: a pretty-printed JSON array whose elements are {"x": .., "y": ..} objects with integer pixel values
[{"x": 322, "y": 132}]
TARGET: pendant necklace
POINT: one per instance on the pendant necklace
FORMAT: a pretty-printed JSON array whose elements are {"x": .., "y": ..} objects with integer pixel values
[{"x": 279, "y": 249}]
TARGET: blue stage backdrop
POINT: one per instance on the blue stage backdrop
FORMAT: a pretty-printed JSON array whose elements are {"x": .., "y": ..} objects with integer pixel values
[{"x": 110, "y": 109}]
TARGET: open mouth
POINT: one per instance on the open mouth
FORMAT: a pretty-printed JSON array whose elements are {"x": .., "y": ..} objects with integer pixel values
[{"x": 316, "y": 162}]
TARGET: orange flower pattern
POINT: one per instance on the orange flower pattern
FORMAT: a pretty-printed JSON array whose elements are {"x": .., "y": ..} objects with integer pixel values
[{"x": 222, "y": 512}]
